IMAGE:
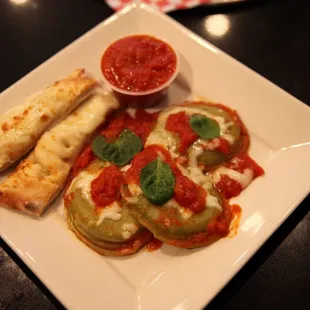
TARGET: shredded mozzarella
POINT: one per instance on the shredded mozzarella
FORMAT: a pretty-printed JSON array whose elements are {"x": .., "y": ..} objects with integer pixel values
[
  {"x": 129, "y": 229},
  {"x": 83, "y": 182},
  {"x": 212, "y": 202},
  {"x": 165, "y": 138},
  {"x": 131, "y": 199},
  {"x": 113, "y": 212},
  {"x": 198, "y": 177},
  {"x": 244, "y": 179},
  {"x": 134, "y": 190},
  {"x": 212, "y": 145},
  {"x": 125, "y": 168},
  {"x": 185, "y": 213}
]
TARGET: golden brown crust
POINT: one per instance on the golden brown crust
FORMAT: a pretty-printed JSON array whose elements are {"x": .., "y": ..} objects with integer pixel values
[
  {"x": 26, "y": 194},
  {"x": 30, "y": 187},
  {"x": 22, "y": 126},
  {"x": 42, "y": 175}
]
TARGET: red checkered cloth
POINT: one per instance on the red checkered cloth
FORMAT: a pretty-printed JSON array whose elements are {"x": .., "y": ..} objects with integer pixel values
[{"x": 161, "y": 5}]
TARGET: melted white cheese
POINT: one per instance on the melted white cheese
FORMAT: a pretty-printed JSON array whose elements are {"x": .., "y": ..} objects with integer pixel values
[
  {"x": 129, "y": 229},
  {"x": 185, "y": 213},
  {"x": 195, "y": 172},
  {"x": 83, "y": 182},
  {"x": 113, "y": 212},
  {"x": 161, "y": 155},
  {"x": 244, "y": 179},
  {"x": 132, "y": 200},
  {"x": 125, "y": 168},
  {"x": 228, "y": 138},
  {"x": 198, "y": 177},
  {"x": 58, "y": 148},
  {"x": 134, "y": 190},
  {"x": 212, "y": 144},
  {"x": 235, "y": 162},
  {"x": 131, "y": 112},
  {"x": 212, "y": 202},
  {"x": 22, "y": 126},
  {"x": 165, "y": 138}
]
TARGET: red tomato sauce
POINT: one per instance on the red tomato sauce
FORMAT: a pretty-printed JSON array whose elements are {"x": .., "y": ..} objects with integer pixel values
[
  {"x": 168, "y": 218},
  {"x": 236, "y": 214},
  {"x": 134, "y": 244},
  {"x": 188, "y": 194},
  {"x": 140, "y": 160},
  {"x": 242, "y": 162},
  {"x": 221, "y": 145},
  {"x": 224, "y": 146},
  {"x": 154, "y": 245},
  {"x": 244, "y": 132},
  {"x": 105, "y": 188},
  {"x": 114, "y": 127},
  {"x": 141, "y": 125},
  {"x": 228, "y": 187},
  {"x": 217, "y": 228},
  {"x": 179, "y": 123},
  {"x": 83, "y": 160},
  {"x": 231, "y": 188},
  {"x": 138, "y": 63},
  {"x": 220, "y": 224}
]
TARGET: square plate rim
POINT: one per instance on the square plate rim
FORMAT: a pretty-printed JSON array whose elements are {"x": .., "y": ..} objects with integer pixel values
[{"x": 207, "y": 45}]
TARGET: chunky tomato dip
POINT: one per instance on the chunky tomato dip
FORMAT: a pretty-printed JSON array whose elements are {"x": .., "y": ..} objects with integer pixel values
[{"x": 138, "y": 63}]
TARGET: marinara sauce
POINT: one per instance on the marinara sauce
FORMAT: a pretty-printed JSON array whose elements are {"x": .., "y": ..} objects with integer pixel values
[
  {"x": 138, "y": 63},
  {"x": 105, "y": 188}
]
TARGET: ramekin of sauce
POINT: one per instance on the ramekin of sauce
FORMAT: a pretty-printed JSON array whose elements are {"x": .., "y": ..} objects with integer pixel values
[{"x": 139, "y": 69}]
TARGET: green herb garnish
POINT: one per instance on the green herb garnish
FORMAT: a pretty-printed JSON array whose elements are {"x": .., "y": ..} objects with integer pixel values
[
  {"x": 205, "y": 127},
  {"x": 157, "y": 182},
  {"x": 121, "y": 151}
]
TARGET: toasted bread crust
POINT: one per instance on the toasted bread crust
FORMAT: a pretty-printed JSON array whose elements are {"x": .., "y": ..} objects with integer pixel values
[
  {"x": 21, "y": 127},
  {"x": 42, "y": 175}
]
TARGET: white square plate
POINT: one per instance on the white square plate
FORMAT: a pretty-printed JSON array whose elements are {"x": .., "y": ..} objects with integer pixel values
[{"x": 169, "y": 278}]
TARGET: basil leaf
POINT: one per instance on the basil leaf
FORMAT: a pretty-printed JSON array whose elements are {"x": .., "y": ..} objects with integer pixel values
[
  {"x": 157, "y": 182},
  {"x": 205, "y": 127},
  {"x": 121, "y": 151}
]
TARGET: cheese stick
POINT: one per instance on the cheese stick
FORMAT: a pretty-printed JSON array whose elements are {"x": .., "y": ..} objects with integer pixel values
[
  {"x": 22, "y": 126},
  {"x": 42, "y": 175}
]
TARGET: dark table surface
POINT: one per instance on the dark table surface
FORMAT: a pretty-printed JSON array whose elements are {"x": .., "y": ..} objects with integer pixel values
[{"x": 271, "y": 37}]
